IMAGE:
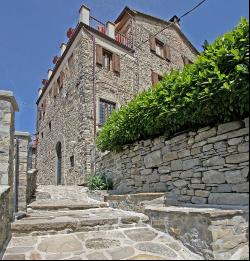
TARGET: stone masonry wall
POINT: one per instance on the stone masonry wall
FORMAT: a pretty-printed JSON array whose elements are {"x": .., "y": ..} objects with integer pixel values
[
  {"x": 214, "y": 233},
  {"x": 4, "y": 217},
  {"x": 208, "y": 166},
  {"x": 8, "y": 107},
  {"x": 22, "y": 140}
]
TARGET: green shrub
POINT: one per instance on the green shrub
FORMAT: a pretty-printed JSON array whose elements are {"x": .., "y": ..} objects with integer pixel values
[
  {"x": 99, "y": 182},
  {"x": 213, "y": 90}
]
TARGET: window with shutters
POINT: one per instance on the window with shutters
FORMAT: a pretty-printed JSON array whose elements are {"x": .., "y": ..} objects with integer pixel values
[
  {"x": 105, "y": 110},
  {"x": 107, "y": 60},
  {"x": 159, "y": 48}
]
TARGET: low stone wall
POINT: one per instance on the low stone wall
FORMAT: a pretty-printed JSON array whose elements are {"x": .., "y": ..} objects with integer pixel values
[
  {"x": 208, "y": 166},
  {"x": 31, "y": 184},
  {"x": 4, "y": 218},
  {"x": 214, "y": 233}
]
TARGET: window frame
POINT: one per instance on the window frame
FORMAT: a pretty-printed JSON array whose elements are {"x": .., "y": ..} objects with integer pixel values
[
  {"x": 106, "y": 102},
  {"x": 109, "y": 56},
  {"x": 160, "y": 46}
]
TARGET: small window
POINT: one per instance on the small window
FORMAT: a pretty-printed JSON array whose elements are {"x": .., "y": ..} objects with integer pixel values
[
  {"x": 107, "y": 60},
  {"x": 42, "y": 135},
  {"x": 72, "y": 161},
  {"x": 159, "y": 48},
  {"x": 50, "y": 125},
  {"x": 105, "y": 110}
]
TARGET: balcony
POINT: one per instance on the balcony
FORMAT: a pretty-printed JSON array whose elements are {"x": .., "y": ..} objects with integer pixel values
[{"x": 119, "y": 37}]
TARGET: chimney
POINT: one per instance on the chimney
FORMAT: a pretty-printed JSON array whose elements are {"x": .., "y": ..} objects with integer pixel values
[
  {"x": 50, "y": 71},
  {"x": 63, "y": 48},
  {"x": 110, "y": 29},
  {"x": 176, "y": 20},
  {"x": 84, "y": 16},
  {"x": 40, "y": 91}
]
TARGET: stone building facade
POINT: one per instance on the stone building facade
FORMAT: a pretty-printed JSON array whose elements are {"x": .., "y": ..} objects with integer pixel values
[
  {"x": 100, "y": 69},
  {"x": 207, "y": 166}
]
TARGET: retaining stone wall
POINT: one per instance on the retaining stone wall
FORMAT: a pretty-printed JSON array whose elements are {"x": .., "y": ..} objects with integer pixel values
[
  {"x": 213, "y": 233},
  {"x": 208, "y": 166}
]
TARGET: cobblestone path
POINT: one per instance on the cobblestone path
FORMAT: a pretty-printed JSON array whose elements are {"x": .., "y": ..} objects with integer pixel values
[{"x": 65, "y": 224}]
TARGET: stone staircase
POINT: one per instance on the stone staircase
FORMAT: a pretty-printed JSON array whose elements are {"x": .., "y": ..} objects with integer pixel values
[{"x": 64, "y": 223}]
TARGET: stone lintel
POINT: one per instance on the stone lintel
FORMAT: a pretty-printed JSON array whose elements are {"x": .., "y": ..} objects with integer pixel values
[
  {"x": 9, "y": 96},
  {"x": 21, "y": 134}
]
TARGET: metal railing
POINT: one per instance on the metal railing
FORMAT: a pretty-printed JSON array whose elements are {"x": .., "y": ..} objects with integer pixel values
[{"x": 102, "y": 28}]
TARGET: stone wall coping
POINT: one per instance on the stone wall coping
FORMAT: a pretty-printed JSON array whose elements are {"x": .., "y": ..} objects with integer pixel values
[
  {"x": 32, "y": 171},
  {"x": 22, "y": 134},
  {"x": 9, "y": 96},
  {"x": 140, "y": 196},
  {"x": 210, "y": 211},
  {"x": 4, "y": 189}
]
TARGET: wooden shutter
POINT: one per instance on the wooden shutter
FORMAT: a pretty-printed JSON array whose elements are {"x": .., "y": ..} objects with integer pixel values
[
  {"x": 167, "y": 52},
  {"x": 99, "y": 55},
  {"x": 153, "y": 44},
  {"x": 116, "y": 63},
  {"x": 155, "y": 78}
]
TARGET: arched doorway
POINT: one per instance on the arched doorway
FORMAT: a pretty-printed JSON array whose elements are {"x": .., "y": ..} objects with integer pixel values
[{"x": 59, "y": 178}]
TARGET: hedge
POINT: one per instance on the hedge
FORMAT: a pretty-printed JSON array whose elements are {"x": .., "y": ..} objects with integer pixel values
[{"x": 215, "y": 89}]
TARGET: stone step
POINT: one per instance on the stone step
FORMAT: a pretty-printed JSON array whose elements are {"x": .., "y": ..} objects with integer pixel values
[
  {"x": 54, "y": 222},
  {"x": 66, "y": 204}
]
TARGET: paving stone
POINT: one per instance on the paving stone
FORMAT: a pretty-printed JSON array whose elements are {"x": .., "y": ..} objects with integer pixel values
[
  {"x": 60, "y": 244},
  {"x": 14, "y": 257},
  {"x": 97, "y": 256},
  {"x": 121, "y": 253},
  {"x": 158, "y": 249},
  {"x": 18, "y": 250},
  {"x": 141, "y": 234},
  {"x": 101, "y": 243},
  {"x": 146, "y": 257}
]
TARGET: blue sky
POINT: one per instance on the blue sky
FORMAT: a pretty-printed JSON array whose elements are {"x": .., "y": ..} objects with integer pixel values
[{"x": 31, "y": 32}]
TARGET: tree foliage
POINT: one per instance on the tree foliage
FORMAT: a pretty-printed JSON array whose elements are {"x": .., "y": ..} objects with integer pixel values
[{"x": 213, "y": 90}]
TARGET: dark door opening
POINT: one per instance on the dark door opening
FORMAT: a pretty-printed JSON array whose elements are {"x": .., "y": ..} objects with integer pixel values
[{"x": 59, "y": 179}]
